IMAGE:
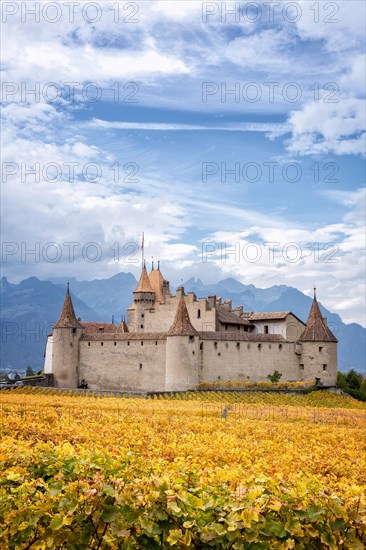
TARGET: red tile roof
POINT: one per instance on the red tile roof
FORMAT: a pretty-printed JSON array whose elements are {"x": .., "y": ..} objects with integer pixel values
[
  {"x": 156, "y": 281},
  {"x": 316, "y": 329},
  {"x": 241, "y": 337},
  {"x": 229, "y": 318},
  {"x": 144, "y": 283},
  {"x": 67, "y": 317},
  {"x": 123, "y": 336},
  {"x": 182, "y": 324},
  {"x": 122, "y": 327},
  {"x": 269, "y": 315},
  {"x": 99, "y": 328}
]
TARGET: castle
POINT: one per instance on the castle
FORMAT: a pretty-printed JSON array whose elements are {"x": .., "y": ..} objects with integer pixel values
[{"x": 175, "y": 342}]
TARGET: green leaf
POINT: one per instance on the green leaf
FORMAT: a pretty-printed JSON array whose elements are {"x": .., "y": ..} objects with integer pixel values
[
  {"x": 174, "y": 536},
  {"x": 173, "y": 507},
  {"x": 56, "y": 523},
  {"x": 110, "y": 514},
  {"x": 315, "y": 512},
  {"x": 187, "y": 538}
]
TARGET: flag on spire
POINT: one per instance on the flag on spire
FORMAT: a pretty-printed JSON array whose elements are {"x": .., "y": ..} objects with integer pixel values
[{"x": 142, "y": 241}]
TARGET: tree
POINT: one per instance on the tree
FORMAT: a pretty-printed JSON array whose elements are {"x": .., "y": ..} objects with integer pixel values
[
  {"x": 341, "y": 381},
  {"x": 363, "y": 388},
  {"x": 353, "y": 379},
  {"x": 275, "y": 377},
  {"x": 29, "y": 371},
  {"x": 353, "y": 383}
]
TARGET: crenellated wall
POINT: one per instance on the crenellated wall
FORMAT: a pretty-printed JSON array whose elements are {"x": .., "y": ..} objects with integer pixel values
[{"x": 161, "y": 316}]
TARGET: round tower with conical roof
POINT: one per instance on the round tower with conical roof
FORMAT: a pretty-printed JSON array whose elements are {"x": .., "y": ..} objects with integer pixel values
[
  {"x": 65, "y": 346},
  {"x": 143, "y": 298},
  {"x": 182, "y": 352},
  {"x": 318, "y": 357}
]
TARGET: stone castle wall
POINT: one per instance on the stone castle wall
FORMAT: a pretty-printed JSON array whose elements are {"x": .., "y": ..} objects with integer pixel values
[
  {"x": 319, "y": 360},
  {"x": 128, "y": 365},
  {"x": 180, "y": 363},
  {"x": 65, "y": 356},
  {"x": 248, "y": 361},
  {"x": 161, "y": 316},
  {"x": 163, "y": 352}
]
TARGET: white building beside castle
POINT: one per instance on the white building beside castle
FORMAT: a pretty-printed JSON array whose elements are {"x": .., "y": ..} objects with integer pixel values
[{"x": 174, "y": 342}]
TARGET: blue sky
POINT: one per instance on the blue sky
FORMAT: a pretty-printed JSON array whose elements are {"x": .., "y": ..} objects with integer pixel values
[{"x": 236, "y": 124}]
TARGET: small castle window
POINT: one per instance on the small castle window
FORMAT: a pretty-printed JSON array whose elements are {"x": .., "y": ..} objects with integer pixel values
[
  {"x": 128, "y": 343},
  {"x": 301, "y": 366},
  {"x": 265, "y": 329},
  {"x": 191, "y": 339},
  {"x": 101, "y": 343},
  {"x": 215, "y": 345},
  {"x": 141, "y": 326},
  {"x": 88, "y": 343},
  {"x": 225, "y": 327},
  {"x": 198, "y": 314},
  {"x": 219, "y": 353},
  {"x": 259, "y": 346},
  {"x": 279, "y": 346},
  {"x": 142, "y": 343},
  {"x": 320, "y": 349},
  {"x": 324, "y": 367},
  {"x": 115, "y": 343},
  {"x": 156, "y": 343},
  {"x": 192, "y": 352},
  {"x": 140, "y": 366},
  {"x": 201, "y": 346},
  {"x": 142, "y": 315},
  {"x": 237, "y": 345},
  {"x": 74, "y": 330}
]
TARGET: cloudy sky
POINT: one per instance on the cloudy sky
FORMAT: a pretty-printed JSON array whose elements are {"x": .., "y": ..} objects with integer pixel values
[{"x": 231, "y": 134}]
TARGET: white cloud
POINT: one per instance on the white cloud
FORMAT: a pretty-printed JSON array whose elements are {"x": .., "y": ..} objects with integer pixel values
[
  {"x": 171, "y": 51},
  {"x": 340, "y": 24},
  {"x": 355, "y": 77},
  {"x": 260, "y": 51},
  {"x": 329, "y": 127},
  {"x": 178, "y": 10},
  {"x": 335, "y": 265},
  {"x": 160, "y": 126}
]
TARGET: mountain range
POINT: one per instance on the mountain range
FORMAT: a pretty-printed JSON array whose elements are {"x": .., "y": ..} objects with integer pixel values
[{"x": 29, "y": 310}]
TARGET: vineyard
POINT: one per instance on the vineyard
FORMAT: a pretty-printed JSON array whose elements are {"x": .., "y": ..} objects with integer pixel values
[{"x": 200, "y": 470}]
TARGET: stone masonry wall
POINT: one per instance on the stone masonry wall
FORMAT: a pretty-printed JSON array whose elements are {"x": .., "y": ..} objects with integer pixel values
[{"x": 124, "y": 366}]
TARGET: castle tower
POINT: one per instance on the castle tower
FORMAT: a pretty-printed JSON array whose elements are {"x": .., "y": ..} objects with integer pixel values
[
  {"x": 319, "y": 349},
  {"x": 182, "y": 352},
  {"x": 143, "y": 298},
  {"x": 159, "y": 285},
  {"x": 65, "y": 349}
]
